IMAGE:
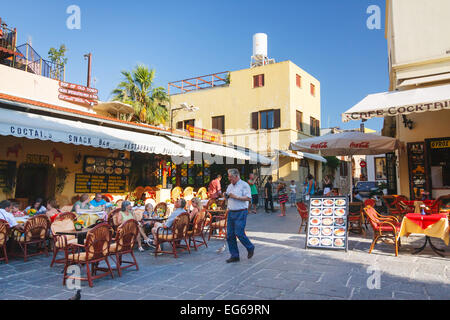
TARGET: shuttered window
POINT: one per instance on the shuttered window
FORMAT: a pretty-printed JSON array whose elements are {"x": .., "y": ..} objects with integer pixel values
[
  {"x": 258, "y": 81},
  {"x": 180, "y": 125},
  {"x": 298, "y": 80},
  {"x": 299, "y": 120},
  {"x": 269, "y": 119},
  {"x": 218, "y": 123},
  {"x": 314, "y": 127},
  {"x": 313, "y": 90}
]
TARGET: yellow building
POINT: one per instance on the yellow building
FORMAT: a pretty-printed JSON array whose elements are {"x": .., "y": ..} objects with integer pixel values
[{"x": 264, "y": 108}]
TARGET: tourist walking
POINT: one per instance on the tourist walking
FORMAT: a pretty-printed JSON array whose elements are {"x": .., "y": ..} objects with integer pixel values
[
  {"x": 238, "y": 194},
  {"x": 268, "y": 199},
  {"x": 293, "y": 193},
  {"x": 282, "y": 196},
  {"x": 255, "y": 198}
]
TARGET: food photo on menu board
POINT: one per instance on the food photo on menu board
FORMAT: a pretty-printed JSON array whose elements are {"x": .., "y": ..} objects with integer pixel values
[
  {"x": 327, "y": 223},
  {"x": 108, "y": 166}
]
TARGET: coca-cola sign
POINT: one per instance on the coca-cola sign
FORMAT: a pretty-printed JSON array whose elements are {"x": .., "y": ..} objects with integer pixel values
[
  {"x": 359, "y": 145},
  {"x": 322, "y": 145}
]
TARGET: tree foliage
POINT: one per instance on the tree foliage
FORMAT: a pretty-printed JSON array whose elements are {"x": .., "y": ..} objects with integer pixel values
[
  {"x": 137, "y": 89},
  {"x": 58, "y": 56}
]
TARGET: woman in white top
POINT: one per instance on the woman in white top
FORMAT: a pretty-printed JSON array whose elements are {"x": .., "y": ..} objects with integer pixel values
[
  {"x": 37, "y": 205},
  {"x": 292, "y": 193}
]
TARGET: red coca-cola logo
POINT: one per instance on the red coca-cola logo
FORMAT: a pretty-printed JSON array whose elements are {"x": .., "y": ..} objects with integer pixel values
[
  {"x": 361, "y": 145},
  {"x": 321, "y": 145}
]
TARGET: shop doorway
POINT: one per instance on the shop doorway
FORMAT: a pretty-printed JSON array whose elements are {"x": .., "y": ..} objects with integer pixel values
[{"x": 35, "y": 181}]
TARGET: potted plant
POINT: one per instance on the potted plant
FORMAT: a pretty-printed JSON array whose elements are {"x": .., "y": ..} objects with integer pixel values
[{"x": 78, "y": 224}]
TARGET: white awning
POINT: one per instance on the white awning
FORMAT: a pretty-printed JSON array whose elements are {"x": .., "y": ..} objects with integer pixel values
[
  {"x": 256, "y": 157},
  {"x": 33, "y": 126},
  {"x": 210, "y": 148},
  {"x": 422, "y": 80},
  {"x": 400, "y": 102},
  {"x": 290, "y": 155},
  {"x": 315, "y": 157}
]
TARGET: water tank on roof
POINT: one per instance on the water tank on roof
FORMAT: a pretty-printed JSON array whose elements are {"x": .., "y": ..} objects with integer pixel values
[{"x": 260, "y": 45}]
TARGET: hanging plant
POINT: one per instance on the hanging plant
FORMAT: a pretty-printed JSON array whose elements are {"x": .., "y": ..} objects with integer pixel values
[{"x": 61, "y": 176}]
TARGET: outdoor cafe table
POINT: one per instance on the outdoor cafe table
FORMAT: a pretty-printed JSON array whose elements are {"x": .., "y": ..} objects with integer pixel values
[
  {"x": 155, "y": 219},
  {"x": 90, "y": 217},
  {"x": 417, "y": 203},
  {"x": 435, "y": 225},
  {"x": 21, "y": 220},
  {"x": 80, "y": 235}
]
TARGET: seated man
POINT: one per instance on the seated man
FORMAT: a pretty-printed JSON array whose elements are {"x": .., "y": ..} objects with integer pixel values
[
  {"x": 99, "y": 201},
  {"x": 5, "y": 214},
  {"x": 179, "y": 209}
]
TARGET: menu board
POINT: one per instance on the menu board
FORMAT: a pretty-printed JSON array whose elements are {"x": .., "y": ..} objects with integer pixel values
[
  {"x": 7, "y": 173},
  {"x": 327, "y": 223},
  {"x": 417, "y": 172},
  {"x": 107, "y": 166},
  {"x": 92, "y": 183}
]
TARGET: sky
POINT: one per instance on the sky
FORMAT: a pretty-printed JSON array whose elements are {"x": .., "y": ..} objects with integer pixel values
[{"x": 182, "y": 39}]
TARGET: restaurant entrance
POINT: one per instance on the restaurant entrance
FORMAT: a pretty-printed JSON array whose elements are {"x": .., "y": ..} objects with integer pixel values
[{"x": 35, "y": 180}]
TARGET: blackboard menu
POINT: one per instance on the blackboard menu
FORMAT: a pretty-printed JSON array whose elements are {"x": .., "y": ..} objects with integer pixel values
[
  {"x": 327, "y": 223},
  {"x": 107, "y": 166},
  {"x": 92, "y": 183},
  {"x": 7, "y": 173},
  {"x": 417, "y": 172}
]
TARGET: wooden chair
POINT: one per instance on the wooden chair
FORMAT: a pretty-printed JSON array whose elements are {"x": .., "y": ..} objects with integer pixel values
[
  {"x": 161, "y": 206},
  {"x": 196, "y": 230},
  {"x": 402, "y": 207},
  {"x": 124, "y": 243},
  {"x": 176, "y": 193},
  {"x": 384, "y": 227},
  {"x": 220, "y": 224},
  {"x": 66, "y": 215},
  {"x": 355, "y": 217},
  {"x": 35, "y": 232},
  {"x": 441, "y": 203},
  {"x": 138, "y": 192},
  {"x": 174, "y": 235},
  {"x": 111, "y": 219},
  {"x": 369, "y": 202},
  {"x": 303, "y": 212},
  {"x": 4, "y": 232},
  {"x": 389, "y": 202},
  {"x": 61, "y": 242},
  {"x": 95, "y": 250},
  {"x": 202, "y": 193}
]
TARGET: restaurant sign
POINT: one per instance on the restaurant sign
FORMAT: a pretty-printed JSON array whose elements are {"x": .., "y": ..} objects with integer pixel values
[
  {"x": 76, "y": 93},
  {"x": 203, "y": 134},
  {"x": 440, "y": 144},
  {"x": 400, "y": 110}
]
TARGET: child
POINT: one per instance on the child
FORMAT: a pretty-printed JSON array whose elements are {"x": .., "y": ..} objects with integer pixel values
[
  {"x": 293, "y": 193},
  {"x": 15, "y": 210}
]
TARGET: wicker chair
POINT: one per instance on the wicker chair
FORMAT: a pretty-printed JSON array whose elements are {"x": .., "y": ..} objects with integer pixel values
[
  {"x": 196, "y": 230},
  {"x": 124, "y": 243},
  {"x": 389, "y": 201},
  {"x": 161, "y": 206},
  {"x": 174, "y": 235},
  {"x": 384, "y": 227},
  {"x": 4, "y": 232},
  {"x": 202, "y": 193},
  {"x": 66, "y": 215},
  {"x": 303, "y": 212},
  {"x": 138, "y": 192},
  {"x": 188, "y": 193},
  {"x": 112, "y": 219},
  {"x": 176, "y": 193},
  {"x": 35, "y": 232},
  {"x": 61, "y": 242},
  {"x": 95, "y": 250},
  {"x": 220, "y": 224},
  {"x": 355, "y": 217}
]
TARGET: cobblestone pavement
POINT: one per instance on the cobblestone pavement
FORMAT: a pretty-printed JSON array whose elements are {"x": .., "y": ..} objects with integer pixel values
[{"x": 280, "y": 269}]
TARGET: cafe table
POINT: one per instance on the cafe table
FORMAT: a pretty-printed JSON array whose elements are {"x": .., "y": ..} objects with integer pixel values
[
  {"x": 432, "y": 226},
  {"x": 79, "y": 234},
  {"x": 90, "y": 217},
  {"x": 21, "y": 220}
]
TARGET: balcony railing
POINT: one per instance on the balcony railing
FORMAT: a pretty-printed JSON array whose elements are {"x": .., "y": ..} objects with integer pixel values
[{"x": 197, "y": 83}]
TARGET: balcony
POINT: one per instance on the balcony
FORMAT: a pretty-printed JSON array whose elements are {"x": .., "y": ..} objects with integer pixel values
[{"x": 203, "y": 82}]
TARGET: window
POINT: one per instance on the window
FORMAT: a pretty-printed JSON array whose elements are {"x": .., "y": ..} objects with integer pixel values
[
  {"x": 343, "y": 169},
  {"x": 258, "y": 81},
  {"x": 313, "y": 90},
  {"x": 180, "y": 125},
  {"x": 298, "y": 80},
  {"x": 314, "y": 127},
  {"x": 269, "y": 119},
  {"x": 218, "y": 123},
  {"x": 299, "y": 120},
  {"x": 183, "y": 124}
]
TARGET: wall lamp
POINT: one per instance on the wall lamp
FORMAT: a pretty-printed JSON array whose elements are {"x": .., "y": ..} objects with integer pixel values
[{"x": 408, "y": 123}]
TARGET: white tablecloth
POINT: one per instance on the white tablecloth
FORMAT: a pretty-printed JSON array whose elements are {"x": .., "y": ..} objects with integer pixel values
[{"x": 23, "y": 219}]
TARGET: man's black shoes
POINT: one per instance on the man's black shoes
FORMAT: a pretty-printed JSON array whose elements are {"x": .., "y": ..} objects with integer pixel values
[
  {"x": 250, "y": 253},
  {"x": 232, "y": 260}
]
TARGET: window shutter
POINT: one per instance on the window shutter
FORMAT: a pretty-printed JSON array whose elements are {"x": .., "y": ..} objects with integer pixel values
[
  {"x": 255, "y": 118},
  {"x": 261, "y": 80},
  {"x": 298, "y": 81},
  {"x": 222, "y": 124},
  {"x": 277, "y": 120},
  {"x": 180, "y": 125},
  {"x": 255, "y": 81},
  {"x": 299, "y": 120}
]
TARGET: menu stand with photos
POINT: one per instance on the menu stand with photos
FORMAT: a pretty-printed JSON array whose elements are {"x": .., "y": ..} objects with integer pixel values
[{"x": 327, "y": 226}]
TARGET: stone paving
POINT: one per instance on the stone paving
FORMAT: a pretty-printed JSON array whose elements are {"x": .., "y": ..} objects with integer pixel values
[{"x": 280, "y": 269}]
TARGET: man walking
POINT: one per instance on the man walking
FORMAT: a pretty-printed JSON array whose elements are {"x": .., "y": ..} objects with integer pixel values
[
  {"x": 268, "y": 195},
  {"x": 238, "y": 195}
]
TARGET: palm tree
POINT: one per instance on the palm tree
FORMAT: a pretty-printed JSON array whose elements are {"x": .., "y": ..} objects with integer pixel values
[{"x": 136, "y": 89}]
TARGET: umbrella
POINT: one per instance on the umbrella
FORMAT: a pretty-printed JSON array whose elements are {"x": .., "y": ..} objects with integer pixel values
[{"x": 347, "y": 144}]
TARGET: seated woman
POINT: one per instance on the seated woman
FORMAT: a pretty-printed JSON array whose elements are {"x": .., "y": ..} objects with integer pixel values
[
  {"x": 196, "y": 208},
  {"x": 125, "y": 214},
  {"x": 38, "y": 206},
  {"x": 82, "y": 204},
  {"x": 148, "y": 213},
  {"x": 52, "y": 210}
]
